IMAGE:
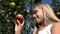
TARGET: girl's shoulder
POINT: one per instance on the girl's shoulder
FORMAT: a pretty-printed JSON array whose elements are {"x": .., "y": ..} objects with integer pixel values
[
  {"x": 56, "y": 24},
  {"x": 55, "y": 28}
]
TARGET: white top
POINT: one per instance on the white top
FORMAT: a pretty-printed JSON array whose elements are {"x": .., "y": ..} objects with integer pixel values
[{"x": 46, "y": 30}]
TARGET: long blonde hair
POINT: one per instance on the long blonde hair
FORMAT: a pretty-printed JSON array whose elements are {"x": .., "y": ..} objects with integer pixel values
[{"x": 48, "y": 13}]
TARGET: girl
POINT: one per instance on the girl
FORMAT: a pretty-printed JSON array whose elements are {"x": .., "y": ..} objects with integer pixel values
[{"x": 45, "y": 18}]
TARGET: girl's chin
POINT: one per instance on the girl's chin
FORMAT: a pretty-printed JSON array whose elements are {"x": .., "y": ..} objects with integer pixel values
[{"x": 38, "y": 22}]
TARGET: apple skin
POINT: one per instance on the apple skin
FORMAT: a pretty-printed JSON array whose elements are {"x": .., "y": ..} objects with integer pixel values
[{"x": 20, "y": 18}]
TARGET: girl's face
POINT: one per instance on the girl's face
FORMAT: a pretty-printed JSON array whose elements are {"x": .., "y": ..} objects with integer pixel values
[{"x": 38, "y": 15}]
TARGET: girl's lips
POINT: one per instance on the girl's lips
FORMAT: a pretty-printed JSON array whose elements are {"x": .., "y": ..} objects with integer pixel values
[{"x": 36, "y": 18}]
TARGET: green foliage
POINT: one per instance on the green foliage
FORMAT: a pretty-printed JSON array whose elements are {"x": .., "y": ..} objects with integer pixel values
[{"x": 9, "y": 9}]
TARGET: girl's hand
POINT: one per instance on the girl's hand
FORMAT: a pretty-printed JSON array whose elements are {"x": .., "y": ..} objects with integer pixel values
[
  {"x": 35, "y": 30},
  {"x": 19, "y": 26}
]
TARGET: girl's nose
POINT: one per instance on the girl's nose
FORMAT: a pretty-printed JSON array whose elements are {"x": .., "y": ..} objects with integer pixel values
[{"x": 34, "y": 16}]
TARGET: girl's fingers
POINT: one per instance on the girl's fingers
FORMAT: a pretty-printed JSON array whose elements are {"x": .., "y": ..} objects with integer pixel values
[
  {"x": 23, "y": 22},
  {"x": 18, "y": 22}
]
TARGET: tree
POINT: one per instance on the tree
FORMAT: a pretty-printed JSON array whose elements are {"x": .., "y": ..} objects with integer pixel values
[{"x": 9, "y": 9}]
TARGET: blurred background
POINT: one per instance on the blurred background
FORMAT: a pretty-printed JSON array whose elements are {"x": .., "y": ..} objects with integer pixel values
[{"x": 10, "y": 8}]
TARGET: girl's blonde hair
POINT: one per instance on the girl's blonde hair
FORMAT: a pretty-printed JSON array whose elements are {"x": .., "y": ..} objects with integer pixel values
[{"x": 47, "y": 11}]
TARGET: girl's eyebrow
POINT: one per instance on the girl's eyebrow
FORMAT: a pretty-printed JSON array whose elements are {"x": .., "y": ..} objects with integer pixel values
[{"x": 35, "y": 10}]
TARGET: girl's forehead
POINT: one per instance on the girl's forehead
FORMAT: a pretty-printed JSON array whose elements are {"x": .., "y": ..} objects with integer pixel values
[{"x": 34, "y": 10}]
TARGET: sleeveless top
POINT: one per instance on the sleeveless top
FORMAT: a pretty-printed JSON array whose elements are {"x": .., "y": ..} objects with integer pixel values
[{"x": 46, "y": 30}]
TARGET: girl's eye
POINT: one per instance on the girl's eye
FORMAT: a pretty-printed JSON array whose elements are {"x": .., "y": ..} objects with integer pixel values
[{"x": 35, "y": 11}]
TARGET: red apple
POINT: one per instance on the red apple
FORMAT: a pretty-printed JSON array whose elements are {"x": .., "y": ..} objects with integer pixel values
[{"x": 20, "y": 18}]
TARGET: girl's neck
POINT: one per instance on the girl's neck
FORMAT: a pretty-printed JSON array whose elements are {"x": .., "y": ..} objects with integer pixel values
[{"x": 43, "y": 23}]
